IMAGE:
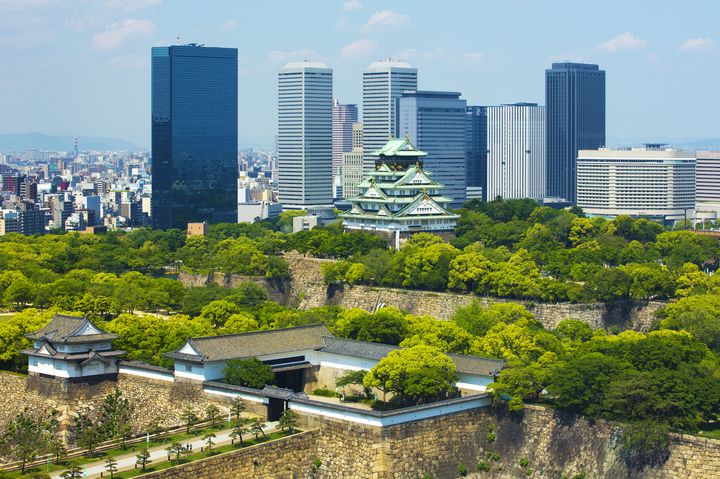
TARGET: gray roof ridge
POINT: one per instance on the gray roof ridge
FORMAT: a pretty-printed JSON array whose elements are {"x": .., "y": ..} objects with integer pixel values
[
  {"x": 83, "y": 322},
  {"x": 260, "y": 331},
  {"x": 362, "y": 341}
]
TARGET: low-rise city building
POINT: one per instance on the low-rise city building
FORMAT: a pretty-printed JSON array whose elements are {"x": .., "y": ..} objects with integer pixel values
[{"x": 654, "y": 182}]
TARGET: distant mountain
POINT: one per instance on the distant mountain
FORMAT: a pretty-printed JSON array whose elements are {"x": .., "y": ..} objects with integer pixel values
[{"x": 41, "y": 141}]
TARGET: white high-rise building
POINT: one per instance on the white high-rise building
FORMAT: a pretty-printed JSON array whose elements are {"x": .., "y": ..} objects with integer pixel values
[
  {"x": 344, "y": 115},
  {"x": 654, "y": 182},
  {"x": 383, "y": 83},
  {"x": 352, "y": 169},
  {"x": 516, "y": 151},
  {"x": 708, "y": 185},
  {"x": 305, "y": 103}
]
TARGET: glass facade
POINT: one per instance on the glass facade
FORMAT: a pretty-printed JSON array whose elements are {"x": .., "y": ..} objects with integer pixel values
[
  {"x": 194, "y": 135},
  {"x": 476, "y": 149},
  {"x": 575, "y": 101},
  {"x": 435, "y": 122}
]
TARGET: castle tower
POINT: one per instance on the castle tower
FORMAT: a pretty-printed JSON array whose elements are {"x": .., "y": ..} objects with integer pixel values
[{"x": 399, "y": 196}]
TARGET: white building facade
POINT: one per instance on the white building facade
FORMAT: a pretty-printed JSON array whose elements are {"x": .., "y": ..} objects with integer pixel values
[
  {"x": 516, "y": 151},
  {"x": 653, "y": 182},
  {"x": 305, "y": 125},
  {"x": 352, "y": 169},
  {"x": 383, "y": 83},
  {"x": 707, "y": 201}
]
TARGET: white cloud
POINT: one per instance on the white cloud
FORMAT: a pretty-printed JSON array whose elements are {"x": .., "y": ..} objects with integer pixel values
[
  {"x": 116, "y": 33},
  {"x": 387, "y": 19},
  {"x": 624, "y": 41},
  {"x": 352, "y": 5},
  {"x": 292, "y": 55},
  {"x": 696, "y": 44},
  {"x": 230, "y": 25},
  {"x": 474, "y": 57},
  {"x": 358, "y": 49}
]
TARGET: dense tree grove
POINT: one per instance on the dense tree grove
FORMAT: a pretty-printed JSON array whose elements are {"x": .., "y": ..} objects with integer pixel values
[
  {"x": 667, "y": 378},
  {"x": 517, "y": 249}
]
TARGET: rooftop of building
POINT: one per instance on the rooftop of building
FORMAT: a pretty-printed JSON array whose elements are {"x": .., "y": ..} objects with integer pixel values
[
  {"x": 399, "y": 147},
  {"x": 389, "y": 63},
  {"x": 70, "y": 329},
  {"x": 257, "y": 343},
  {"x": 304, "y": 64},
  {"x": 377, "y": 351},
  {"x": 649, "y": 151}
]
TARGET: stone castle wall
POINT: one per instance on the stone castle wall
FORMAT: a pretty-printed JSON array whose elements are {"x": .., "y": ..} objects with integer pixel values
[
  {"x": 149, "y": 399},
  {"x": 555, "y": 445},
  {"x": 305, "y": 289},
  {"x": 287, "y": 458}
]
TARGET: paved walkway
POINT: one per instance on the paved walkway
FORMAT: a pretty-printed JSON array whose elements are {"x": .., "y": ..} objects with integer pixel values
[{"x": 157, "y": 454}]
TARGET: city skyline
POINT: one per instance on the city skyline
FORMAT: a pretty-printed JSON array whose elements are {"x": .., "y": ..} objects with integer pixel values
[{"x": 88, "y": 49}]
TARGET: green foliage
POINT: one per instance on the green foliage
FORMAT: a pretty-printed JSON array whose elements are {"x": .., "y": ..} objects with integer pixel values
[
  {"x": 288, "y": 420},
  {"x": 142, "y": 459},
  {"x": 189, "y": 417},
  {"x": 387, "y": 325},
  {"x": 26, "y": 436},
  {"x": 250, "y": 372},
  {"x": 418, "y": 373},
  {"x": 523, "y": 462},
  {"x": 483, "y": 466},
  {"x": 329, "y": 393},
  {"x": 462, "y": 470}
]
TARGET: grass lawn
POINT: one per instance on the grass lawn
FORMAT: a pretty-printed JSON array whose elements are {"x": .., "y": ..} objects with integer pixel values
[
  {"x": 117, "y": 451},
  {"x": 712, "y": 431}
]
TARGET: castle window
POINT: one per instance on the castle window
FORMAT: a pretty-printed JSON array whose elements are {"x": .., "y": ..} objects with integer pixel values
[{"x": 188, "y": 368}]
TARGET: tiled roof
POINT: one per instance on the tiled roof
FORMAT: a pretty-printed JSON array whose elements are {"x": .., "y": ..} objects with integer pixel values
[
  {"x": 357, "y": 349},
  {"x": 258, "y": 343},
  {"x": 66, "y": 329},
  {"x": 377, "y": 351},
  {"x": 398, "y": 147}
]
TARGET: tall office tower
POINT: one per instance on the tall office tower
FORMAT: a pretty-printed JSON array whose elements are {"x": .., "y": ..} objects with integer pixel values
[
  {"x": 305, "y": 135},
  {"x": 476, "y": 148},
  {"x": 435, "y": 123},
  {"x": 194, "y": 135},
  {"x": 707, "y": 173},
  {"x": 516, "y": 151},
  {"x": 575, "y": 101},
  {"x": 352, "y": 169},
  {"x": 383, "y": 83},
  {"x": 343, "y": 117}
]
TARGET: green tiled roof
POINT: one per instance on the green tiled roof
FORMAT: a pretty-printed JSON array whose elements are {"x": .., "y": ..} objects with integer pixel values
[{"x": 398, "y": 147}]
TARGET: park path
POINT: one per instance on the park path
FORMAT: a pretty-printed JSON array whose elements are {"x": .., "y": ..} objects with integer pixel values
[{"x": 157, "y": 454}]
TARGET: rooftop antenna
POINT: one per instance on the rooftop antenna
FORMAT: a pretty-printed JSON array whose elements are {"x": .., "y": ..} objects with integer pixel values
[{"x": 177, "y": 40}]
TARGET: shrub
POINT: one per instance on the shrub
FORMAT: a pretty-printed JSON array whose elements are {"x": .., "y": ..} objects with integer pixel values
[{"x": 328, "y": 393}]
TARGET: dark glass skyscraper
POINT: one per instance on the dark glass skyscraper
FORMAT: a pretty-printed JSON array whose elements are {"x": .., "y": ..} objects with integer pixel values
[
  {"x": 575, "y": 101},
  {"x": 194, "y": 135},
  {"x": 476, "y": 147},
  {"x": 435, "y": 123}
]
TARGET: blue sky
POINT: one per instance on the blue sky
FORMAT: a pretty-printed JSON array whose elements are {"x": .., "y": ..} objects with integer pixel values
[{"x": 83, "y": 67}]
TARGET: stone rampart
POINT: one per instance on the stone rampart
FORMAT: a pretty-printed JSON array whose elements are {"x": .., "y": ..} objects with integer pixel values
[
  {"x": 624, "y": 314},
  {"x": 305, "y": 289},
  {"x": 278, "y": 290},
  {"x": 554, "y": 443},
  {"x": 287, "y": 458}
]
